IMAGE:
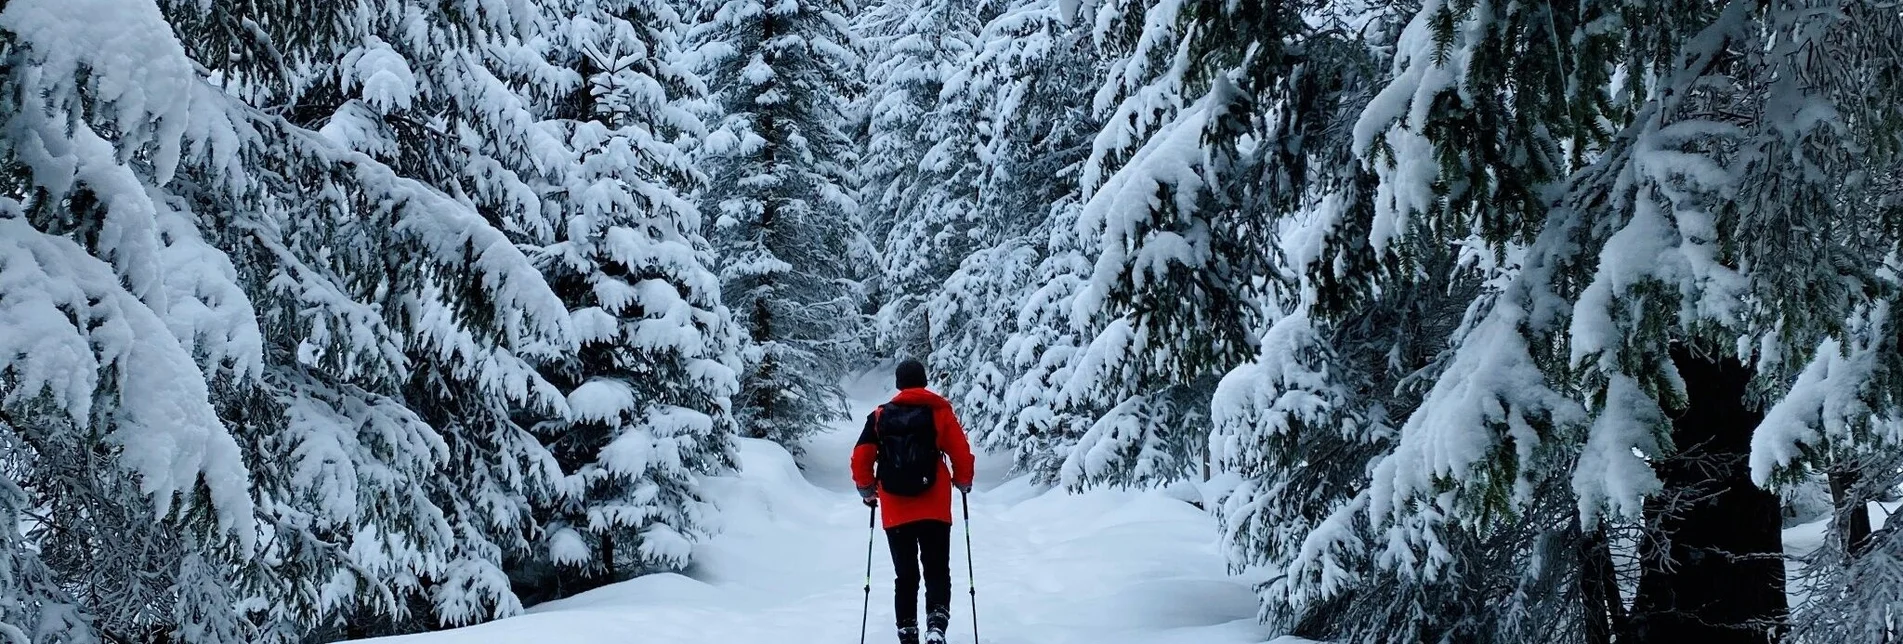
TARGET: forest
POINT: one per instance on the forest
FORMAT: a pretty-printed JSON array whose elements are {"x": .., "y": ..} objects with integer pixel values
[{"x": 1493, "y": 322}]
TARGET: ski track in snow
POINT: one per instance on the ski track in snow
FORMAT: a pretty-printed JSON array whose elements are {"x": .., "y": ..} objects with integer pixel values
[{"x": 1105, "y": 567}]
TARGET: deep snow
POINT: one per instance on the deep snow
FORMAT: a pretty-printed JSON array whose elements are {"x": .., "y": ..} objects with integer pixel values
[
  {"x": 1105, "y": 567},
  {"x": 1801, "y": 540}
]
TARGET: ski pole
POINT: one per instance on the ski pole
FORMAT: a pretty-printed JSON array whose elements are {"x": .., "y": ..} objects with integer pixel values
[
  {"x": 866, "y": 609},
  {"x": 971, "y": 571}
]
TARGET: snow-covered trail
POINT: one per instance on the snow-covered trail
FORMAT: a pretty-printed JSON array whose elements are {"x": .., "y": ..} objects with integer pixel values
[{"x": 1108, "y": 567}]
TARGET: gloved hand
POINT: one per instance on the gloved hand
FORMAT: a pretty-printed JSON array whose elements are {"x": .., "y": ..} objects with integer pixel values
[
  {"x": 869, "y": 496},
  {"x": 963, "y": 487}
]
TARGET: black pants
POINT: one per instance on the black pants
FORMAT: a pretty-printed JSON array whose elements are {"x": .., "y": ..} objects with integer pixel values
[{"x": 921, "y": 545}]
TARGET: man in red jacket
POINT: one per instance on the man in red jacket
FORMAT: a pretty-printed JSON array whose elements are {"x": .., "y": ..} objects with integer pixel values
[{"x": 918, "y": 513}]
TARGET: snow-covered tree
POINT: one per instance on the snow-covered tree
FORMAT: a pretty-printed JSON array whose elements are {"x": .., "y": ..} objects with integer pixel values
[
  {"x": 1650, "y": 315},
  {"x": 1026, "y": 87},
  {"x": 151, "y": 253},
  {"x": 1175, "y": 240},
  {"x": 1053, "y": 400},
  {"x": 648, "y": 392},
  {"x": 1831, "y": 288},
  {"x": 784, "y": 219},
  {"x": 118, "y": 318},
  {"x": 1359, "y": 334},
  {"x": 1340, "y": 369},
  {"x": 311, "y": 282},
  {"x": 920, "y": 169},
  {"x": 1298, "y": 428},
  {"x": 1037, "y": 422},
  {"x": 445, "y": 99}
]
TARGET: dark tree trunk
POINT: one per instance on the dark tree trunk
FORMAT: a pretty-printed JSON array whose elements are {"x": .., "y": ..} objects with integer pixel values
[
  {"x": 1851, "y": 513},
  {"x": 1599, "y": 589},
  {"x": 1713, "y": 569},
  {"x": 607, "y": 558}
]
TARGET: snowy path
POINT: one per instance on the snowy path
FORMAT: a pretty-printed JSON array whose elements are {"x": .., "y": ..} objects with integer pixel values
[{"x": 1105, "y": 568}]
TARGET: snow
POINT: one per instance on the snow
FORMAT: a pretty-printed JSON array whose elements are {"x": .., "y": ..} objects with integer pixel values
[
  {"x": 385, "y": 76},
  {"x": 566, "y": 546},
  {"x": 136, "y": 72},
  {"x": 1275, "y": 392},
  {"x": 205, "y": 307},
  {"x": 1800, "y": 540},
  {"x": 1123, "y": 213},
  {"x": 1396, "y": 118},
  {"x": 630, "y": 453},
  {"x": 1825, "y": 402},
  {"x": 1614, "y": 470},
  {"x": 1108, "y": 443},
  {"x": 1107, "y": 567},
  {"x": 1142, "y": 91},
  {"x": 70, "y": 322},
  {"x": 1489, "y": 395},
  {"x": 592, "y": 324},
  {"x": 601, "y": 399},
  {"x": 1804, "y": 539}
]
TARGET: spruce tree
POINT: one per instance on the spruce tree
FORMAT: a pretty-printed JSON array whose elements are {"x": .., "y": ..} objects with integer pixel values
[
  {"x": 446, "y": 99},
  {"x": 1027, "y": 87},
  {"x": 118, "y": 317},
  {"x": 920, "y": 170},
  {"x": 648, "y": 392},
  {"x": 1173, "y": 244},
  {"x": 783, "y": 219},
  {"x": 1648, "y": 322},
  {"x": 279, "y": 261},
  {"x": 307, "y": 278},
  {"x": 1000, "y": 324}
]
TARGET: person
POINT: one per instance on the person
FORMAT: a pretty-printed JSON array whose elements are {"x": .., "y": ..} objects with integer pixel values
[{"x": 917, "y": 509}]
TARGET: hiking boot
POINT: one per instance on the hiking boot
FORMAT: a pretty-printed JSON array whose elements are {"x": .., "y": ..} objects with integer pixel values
[
  {"x": 909, "y": 635},
  {"x": 935, "y": 622}
]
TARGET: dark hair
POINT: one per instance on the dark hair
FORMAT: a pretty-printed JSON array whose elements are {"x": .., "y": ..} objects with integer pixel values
[{"x": 910, "y": 374}]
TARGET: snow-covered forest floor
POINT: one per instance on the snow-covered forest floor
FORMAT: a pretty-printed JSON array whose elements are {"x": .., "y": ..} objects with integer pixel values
[
  {"x": 1105, "y": 567},
  {"x": 1801, "y": 540}
]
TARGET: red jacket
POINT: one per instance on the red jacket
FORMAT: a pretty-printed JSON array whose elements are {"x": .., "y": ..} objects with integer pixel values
[{"x": 935, "y": 503}]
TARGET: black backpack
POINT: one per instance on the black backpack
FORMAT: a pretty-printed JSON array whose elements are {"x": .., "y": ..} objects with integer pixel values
[{"x": 908, "y": 449}]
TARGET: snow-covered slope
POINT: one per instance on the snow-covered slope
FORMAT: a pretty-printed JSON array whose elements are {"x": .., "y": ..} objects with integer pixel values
[
  {"x": 1105, "y": 567},
  {"x": 1804, "y": 539}
]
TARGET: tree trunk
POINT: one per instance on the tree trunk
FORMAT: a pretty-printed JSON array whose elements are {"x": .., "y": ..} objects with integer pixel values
[
  {"x": 607, "y": 557},
  {"x": 1206, "y": 457},
  {"x": 1851, "y": 514},
  {"x": 927, "y": 332},
  {"x": 1599, "y": 590},
  {"x": 1712, "y": 568}
]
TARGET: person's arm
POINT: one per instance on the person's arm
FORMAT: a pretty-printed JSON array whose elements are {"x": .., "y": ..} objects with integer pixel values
[
  {"x": 863, "y": 454},
  {"x": 955, "y": 445}
]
